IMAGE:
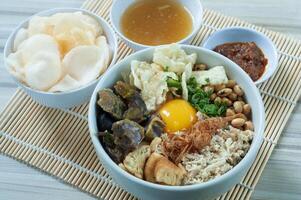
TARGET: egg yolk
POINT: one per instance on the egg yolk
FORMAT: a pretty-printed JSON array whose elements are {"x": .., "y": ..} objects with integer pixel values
[{"x": 177, "y": 115}]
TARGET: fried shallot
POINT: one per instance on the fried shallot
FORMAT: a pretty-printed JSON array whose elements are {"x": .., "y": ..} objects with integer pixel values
[{"x": 175, "y": 146}]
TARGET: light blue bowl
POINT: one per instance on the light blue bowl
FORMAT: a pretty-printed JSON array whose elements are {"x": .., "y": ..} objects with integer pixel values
[
  {"x": 239, "y": 34},
  {"x": 208, "y": 190}
]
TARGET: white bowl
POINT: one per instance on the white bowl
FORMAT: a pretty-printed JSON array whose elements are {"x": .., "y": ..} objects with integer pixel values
[
  {"x": 208, "y": 190},
  {"x": 69, "y": 98},
  {"x": 239, "y": 34},
  {"x": 119, "y": 6}
]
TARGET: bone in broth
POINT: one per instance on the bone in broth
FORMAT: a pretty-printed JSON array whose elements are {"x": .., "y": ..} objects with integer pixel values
[{"x": 156, "y": 22}]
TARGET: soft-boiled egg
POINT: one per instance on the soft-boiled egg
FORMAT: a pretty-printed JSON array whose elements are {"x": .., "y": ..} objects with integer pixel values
[{"x": 177, "y": 115}]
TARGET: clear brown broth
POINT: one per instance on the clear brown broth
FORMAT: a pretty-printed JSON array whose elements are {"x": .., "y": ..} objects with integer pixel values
[{"x": 156, "y": 22}]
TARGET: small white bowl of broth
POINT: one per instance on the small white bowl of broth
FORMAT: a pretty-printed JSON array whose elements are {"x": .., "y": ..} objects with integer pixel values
[{"x": 145, "y": 23}]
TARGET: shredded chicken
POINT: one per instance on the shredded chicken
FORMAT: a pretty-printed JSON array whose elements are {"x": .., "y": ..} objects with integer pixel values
[
  {"x": 226, "y": 149},
  {"x": 175, "y": 146}
]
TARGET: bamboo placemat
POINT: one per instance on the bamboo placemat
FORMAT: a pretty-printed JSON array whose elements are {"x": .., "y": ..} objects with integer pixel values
[{"x": 57, "y": 141}]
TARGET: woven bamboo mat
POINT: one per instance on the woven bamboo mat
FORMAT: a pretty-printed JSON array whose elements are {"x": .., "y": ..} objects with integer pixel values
[{"x": 57, "y": 141}]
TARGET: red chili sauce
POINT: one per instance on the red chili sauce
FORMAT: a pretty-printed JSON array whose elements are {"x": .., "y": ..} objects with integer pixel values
[{"x": 247, "y": 55}]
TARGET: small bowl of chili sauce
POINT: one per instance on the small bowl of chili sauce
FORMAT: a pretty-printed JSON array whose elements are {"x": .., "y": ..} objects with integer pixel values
[{"x": 254, "y": 52}]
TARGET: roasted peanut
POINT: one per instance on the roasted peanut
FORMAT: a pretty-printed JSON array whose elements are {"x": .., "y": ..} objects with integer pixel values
[
  {"x": 248, "y": 126},
  {"x": 230, "y": 112},
  {"x": 230, "y": 84},
  {"x": 242, "y": 102},
  {"x": 238, "y": 107},
  {"x": 219, "y": 87},
  {"x": 237, "y": 89},
  {"x": 246, "y": 109},
  {"x": 238, "y": 122},
  {"x": 240, "y": 115},
  {"x": 213, "y": 96},
  {"x": 224, "y": 92},
  {"x": 209, "y": 88},
  {"x": 226, "y": 101},
  {"x": 198, "y": 67},
  {"x": 232, "y": 96},
  {"x": 218, "y": 100}
]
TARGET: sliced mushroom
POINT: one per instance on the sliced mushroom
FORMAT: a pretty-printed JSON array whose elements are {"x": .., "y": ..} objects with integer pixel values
[
  {"x": 104, "y": 120},
  {"x": 154, "y": 128},
  {"x": 127, "y": 134},
  {"x": 125, "y": 90},
  {"x": 135, "y": 114},
  {"x": 111, "y": 103},
  {"x": 136, "y": 107}
]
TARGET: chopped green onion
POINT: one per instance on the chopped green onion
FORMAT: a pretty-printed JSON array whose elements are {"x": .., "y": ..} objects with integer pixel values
[
  {"x": 201, "y": 100},
  {"x": 173, "y": 83}
]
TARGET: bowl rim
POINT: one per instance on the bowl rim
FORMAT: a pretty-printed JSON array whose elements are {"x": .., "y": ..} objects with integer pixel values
[
  {"x": 49, "y": 12},
  {"x": 251, "y": 154},
  {"x": 143, "y": 46},
  {"x": 258, "y": 34}
]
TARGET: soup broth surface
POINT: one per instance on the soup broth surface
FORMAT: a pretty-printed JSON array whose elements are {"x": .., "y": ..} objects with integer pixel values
[{"x": 156, "y": 22}]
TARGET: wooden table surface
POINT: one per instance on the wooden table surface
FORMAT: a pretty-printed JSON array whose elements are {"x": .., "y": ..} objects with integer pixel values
[{"x": 280, "y": 180}]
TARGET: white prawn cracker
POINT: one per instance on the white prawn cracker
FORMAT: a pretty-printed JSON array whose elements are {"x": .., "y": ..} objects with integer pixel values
[
  {"x": 36, "y": 62},
  {"x": 60, "y": 52},
  {"x": 43, "y": 70}
]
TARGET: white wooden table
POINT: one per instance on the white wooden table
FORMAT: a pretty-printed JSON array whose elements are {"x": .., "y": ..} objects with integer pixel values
[{"x": 280, "y": 180}]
